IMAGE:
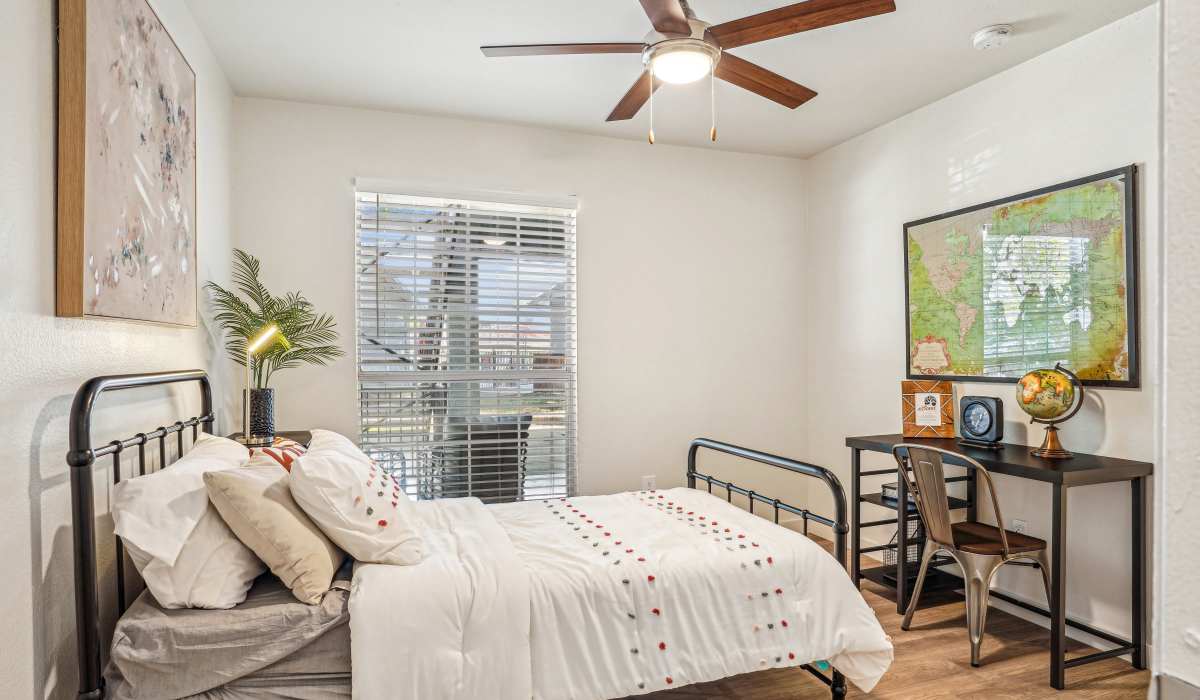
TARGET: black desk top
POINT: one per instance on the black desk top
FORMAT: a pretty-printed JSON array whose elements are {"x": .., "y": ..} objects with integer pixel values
[{"x": 1016, "y": 460}]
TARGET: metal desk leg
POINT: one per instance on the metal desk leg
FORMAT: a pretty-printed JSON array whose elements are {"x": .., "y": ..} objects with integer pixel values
[
  {"x": 901, "y": 545},
  {"x": 855, "y": 515},
  {"x": 1137, "y": 515},
  {"x": 1058, "y": 589}
]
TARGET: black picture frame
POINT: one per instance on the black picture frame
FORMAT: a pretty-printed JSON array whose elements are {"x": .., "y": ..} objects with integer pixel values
[{"x": 1132, "y": 297}]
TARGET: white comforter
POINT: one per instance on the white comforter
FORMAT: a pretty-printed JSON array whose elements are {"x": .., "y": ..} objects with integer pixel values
[{"x": 602, "y": 597}]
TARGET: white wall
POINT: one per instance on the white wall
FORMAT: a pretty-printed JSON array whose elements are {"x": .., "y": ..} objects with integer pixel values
[
  {"x": 45, "y": 359},
  {"x": 1177, "y": 639},
  {"x": 690, "y": 320},
  {"x": 1085, "y": 107}
]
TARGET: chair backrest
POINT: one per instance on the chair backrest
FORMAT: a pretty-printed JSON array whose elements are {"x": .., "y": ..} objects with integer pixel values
[{"x": 928, "y": 484}]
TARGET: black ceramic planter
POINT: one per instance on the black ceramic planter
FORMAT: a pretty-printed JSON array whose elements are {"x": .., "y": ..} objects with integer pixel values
[{"x": 262, "y": 412}]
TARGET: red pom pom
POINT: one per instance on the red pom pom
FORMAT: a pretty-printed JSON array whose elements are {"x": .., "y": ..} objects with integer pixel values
[
  {"x": 669, "y": 680},
  {"x": 741, "y": 537},
  {"x": 714, "y": 523},
  {"x": 629, "y": 551},
  {"x": 660, "y": 496},
  {"x": 770, "y": 560},
  {"x": 778, "y": 591},
  {"x": 702, "y": 517},
  {"x": 691, "y": 512},
  {"x": 608, "y": 534},
  {"x": 650, "y": 578},
  {"x": 382, "y": 523},
  {"x": 641, "y": 558},
  {"x": 656, "y": 611},
  {"x": 662, "y": 646},
  {"x": 783, "y": 622},
  {"x": 619, "y": 542},
  {"x": 791, "y": 656}
]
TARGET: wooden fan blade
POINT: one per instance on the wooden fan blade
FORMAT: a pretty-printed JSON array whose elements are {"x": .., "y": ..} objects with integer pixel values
[
  {"x": 793, "y": 19},
  {"x": 761, "y": 81},
  {"x": 559, "y": 49},
  {"x": 667, "y": 16},
  {"x": 634, "y": 99}
]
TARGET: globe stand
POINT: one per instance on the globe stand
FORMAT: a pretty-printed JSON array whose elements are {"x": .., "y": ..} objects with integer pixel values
[{"x": 1051, "y": 448}]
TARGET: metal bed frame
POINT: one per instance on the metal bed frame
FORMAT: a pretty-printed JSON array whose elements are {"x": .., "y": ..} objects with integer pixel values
[
  {"x": 82, "y": 456},
  {"x": 840, "y": 526}
]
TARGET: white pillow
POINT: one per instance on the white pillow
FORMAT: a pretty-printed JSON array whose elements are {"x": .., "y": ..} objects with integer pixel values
[
  {"x": 187, "y": 556},
  {"x": 213, "y": 570},
  {"x": 358, "y": 506}
]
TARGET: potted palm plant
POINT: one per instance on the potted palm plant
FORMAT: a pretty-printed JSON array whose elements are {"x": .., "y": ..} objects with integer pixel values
[{"x": 265, "y": 333}]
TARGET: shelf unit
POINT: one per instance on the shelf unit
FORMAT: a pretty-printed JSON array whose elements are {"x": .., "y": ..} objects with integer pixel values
[{"x": 885, "y": 574}]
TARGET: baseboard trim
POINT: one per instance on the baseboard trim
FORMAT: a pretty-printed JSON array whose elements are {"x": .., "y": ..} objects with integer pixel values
[{"x": 1168, "y": 687}]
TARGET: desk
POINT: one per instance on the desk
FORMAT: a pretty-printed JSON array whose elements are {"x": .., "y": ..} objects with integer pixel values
[{"x": 1062, "y": 474}]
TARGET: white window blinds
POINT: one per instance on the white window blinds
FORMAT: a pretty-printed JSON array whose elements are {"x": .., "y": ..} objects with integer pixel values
[{"x": 466, "y": 345}]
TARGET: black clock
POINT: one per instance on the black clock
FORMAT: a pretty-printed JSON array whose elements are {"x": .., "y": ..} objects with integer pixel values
[{"x": 982, "y": 421}]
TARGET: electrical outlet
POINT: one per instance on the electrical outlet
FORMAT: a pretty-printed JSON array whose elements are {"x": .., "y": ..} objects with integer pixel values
[
  {"x": 649, "y": 482},
  {"x": 1019, "y": 526}
]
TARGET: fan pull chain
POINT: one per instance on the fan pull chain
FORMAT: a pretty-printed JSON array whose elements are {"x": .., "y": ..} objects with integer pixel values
[
  {"x": 712, "y": 103},
  {"x": 651, "y": 135}
]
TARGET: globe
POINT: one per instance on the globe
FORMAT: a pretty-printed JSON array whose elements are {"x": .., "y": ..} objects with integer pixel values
[{"x": 1045, "y": 394}]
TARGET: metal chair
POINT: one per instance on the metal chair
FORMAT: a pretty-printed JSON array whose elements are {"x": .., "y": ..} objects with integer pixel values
[{"x": 978, "y": 548}]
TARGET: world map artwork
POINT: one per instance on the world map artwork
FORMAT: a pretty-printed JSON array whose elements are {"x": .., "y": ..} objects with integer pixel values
[{"x": 1000, "y": 290}]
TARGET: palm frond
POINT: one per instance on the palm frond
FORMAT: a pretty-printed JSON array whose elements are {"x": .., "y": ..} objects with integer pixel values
[{"x": 311, "y": 338}]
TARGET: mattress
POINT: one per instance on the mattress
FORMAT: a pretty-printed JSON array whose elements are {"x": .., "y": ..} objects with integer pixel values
[{"x": 271, "y": 645}]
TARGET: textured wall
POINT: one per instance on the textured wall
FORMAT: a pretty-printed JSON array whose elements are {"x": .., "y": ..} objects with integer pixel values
[
  {"x": 1051, "y": 119},
  {"x": 1177, "y": 639},
  {"x": 46, "y": 358}
]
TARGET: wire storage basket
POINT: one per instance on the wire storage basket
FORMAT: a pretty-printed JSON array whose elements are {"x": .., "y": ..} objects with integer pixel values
[{"x": 916, "y": 536}]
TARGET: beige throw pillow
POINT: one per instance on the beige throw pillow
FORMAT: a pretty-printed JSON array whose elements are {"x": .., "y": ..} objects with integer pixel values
[{"x": 256, "y": 503}]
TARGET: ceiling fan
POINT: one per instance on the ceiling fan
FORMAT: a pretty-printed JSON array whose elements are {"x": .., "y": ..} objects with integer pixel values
[{"x": 682, "y": 49}]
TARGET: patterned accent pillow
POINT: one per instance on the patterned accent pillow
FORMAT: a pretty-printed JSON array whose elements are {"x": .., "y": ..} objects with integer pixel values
[
  {"x": 281, "y": 451},
  {"x": 355, "y": 503}
]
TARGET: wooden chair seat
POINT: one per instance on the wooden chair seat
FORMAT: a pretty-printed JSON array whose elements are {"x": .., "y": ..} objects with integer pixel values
[{"x": 981, "y": 538}]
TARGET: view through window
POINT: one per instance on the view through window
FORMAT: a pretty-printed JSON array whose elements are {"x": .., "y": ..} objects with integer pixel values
[{"x": 466, "y": 345}]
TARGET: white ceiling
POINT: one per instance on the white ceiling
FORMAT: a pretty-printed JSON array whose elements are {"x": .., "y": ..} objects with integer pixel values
[{"x": 422, "y": 56}]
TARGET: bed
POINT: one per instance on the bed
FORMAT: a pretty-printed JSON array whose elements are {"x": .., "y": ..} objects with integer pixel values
[{"x": 586, "y": 597}]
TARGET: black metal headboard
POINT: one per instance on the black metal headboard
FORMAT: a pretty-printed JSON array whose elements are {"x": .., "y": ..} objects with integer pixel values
[{"x": 81, "y": 458}]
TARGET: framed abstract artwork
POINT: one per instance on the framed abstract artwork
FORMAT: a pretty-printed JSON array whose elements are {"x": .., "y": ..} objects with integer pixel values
[
  {"x": 1026, "y": 282},
  {"x": 126, "y": 166}
]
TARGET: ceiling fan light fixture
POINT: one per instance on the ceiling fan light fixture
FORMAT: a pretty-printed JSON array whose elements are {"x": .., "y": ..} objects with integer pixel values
[
  {"x": 681, "y": 67},
  {"x": 681, "y": 61}
]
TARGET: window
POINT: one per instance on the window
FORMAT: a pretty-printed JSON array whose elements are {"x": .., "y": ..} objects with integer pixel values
[{"x": 466, "y": 345}]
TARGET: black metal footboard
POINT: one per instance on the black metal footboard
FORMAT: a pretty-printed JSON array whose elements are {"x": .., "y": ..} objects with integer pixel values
[
  {"x": 836, "y": 681},
  {"x": 81, "y": 458}
]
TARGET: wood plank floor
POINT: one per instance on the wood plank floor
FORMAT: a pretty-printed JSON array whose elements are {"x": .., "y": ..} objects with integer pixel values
[{"x": 933, "y": 661}]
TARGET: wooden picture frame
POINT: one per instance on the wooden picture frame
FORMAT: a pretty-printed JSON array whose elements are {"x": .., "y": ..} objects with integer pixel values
[
  {"x": 917, "y": 398},
  {"x": 126, "y": 230}
]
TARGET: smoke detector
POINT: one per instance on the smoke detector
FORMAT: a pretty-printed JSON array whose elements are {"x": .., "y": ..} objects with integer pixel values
[{"x": 992, "y": 37}]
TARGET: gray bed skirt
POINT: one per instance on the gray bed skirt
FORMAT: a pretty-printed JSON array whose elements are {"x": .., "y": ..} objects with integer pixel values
[{"x": 270, "y": 646}]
